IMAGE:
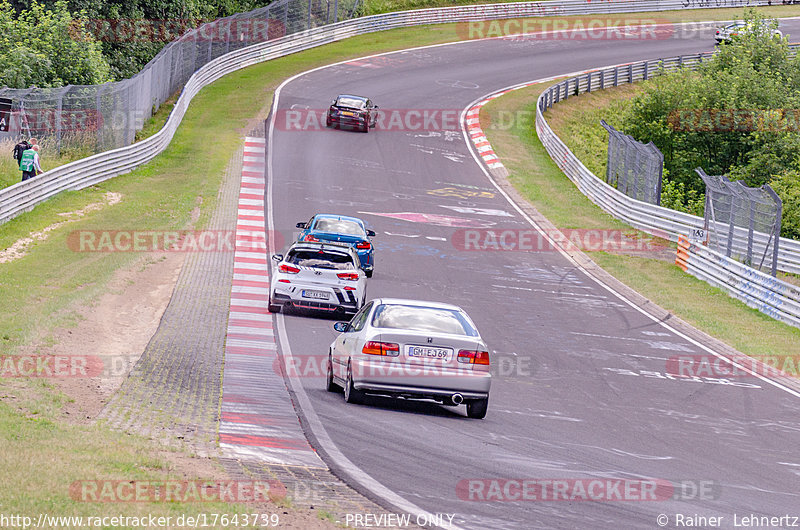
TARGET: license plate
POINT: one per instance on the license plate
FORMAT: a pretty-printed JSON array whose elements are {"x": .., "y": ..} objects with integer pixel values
[
  {"x": 348, "y": 114},
  {"x": 428, "y": 352},
  {"x": 319, "y": 295}
]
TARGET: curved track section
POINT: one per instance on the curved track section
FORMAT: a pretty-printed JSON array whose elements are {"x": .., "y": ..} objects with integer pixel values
[{"x": 583, "y": 393}]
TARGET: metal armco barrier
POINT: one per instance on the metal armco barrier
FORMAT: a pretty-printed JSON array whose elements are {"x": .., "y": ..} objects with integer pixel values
[
  {"x": 655, "y": 220},
  {"x": 24, "y": 196},
  {"x": 773, "y": 297}
]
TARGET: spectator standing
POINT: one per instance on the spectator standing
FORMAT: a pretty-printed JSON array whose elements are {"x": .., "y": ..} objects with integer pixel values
[
  {"x": 22, "y": 147},
  {"x": 29, "y": 164}
]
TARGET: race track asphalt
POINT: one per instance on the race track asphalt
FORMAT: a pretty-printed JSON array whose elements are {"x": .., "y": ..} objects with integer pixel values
[{"x": 579, "y": 390}]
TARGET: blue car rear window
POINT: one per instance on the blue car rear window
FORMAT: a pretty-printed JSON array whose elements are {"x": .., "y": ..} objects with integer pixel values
[{"x": 339, "y": 226}]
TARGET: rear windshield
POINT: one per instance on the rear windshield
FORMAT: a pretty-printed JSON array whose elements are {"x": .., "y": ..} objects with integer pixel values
[
  {"x": 339, "y": 226},
  {"x": 418, "y": 318},
  {"x": 351, "y": 102},
  {"x": 320, "y": 259}
]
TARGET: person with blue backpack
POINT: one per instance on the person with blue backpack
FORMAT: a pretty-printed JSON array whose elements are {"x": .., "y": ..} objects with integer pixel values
[{"x": 29, "y": 163}]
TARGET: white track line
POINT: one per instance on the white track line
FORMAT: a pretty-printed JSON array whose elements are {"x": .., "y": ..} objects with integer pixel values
[
  {"x": 481, "y": 101},
  {"x": 315, "y": 424}
]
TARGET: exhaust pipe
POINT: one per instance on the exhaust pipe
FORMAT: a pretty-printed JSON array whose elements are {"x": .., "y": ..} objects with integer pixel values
[{"x": 457, "y": 399}]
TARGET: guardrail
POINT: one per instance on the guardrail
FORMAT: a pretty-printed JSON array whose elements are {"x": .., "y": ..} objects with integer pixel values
[
  {"x": 24, "y": 196},
  {"x": 773, "y": 297},
  {"x": 656, "y": 220}
]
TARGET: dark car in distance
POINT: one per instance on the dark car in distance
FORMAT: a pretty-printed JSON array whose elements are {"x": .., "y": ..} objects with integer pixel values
[{"x": 352, "y": 111}]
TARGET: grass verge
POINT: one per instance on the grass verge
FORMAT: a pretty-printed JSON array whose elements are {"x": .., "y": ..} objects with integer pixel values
[
  {"x": 42, "y": 454},
  {"x": 540, "y": 180}
]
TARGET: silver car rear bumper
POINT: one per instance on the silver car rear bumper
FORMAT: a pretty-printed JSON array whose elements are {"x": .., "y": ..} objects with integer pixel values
[{"x": 433, "y": 381}]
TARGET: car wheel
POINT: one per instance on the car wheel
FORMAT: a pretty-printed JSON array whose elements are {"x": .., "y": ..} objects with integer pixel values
[
  {"x": 328, "y": 122},
  {"x": 476, "y": 408},
  {"x": 351, "y": 395},
  {"x": 369, "y": 273},
  {"x": 365, "y": 129},
  {"x": 330, "y": 385}
]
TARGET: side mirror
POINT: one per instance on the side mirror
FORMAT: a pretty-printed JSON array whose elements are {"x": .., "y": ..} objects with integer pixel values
[
  {"x": 277, "y": 257},
  {"x": 342, "y": 327},
  {"x": 376, "y": 107},
  {"x": 300, "y": 225},
  {"x": 333, "y": 102},
  {"x": 370, "y": 233}
]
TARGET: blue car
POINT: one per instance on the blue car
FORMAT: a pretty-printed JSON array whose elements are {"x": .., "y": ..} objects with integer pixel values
[{"x": 330, "y": 227}]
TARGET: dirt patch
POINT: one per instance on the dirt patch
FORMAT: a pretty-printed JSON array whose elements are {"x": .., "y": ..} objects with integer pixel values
[
  {"x": 114, "y": 331},
  {"x": 20, "y": 246}
]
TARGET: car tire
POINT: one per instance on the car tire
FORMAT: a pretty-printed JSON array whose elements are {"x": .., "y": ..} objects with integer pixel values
[
  {"x": 368, "y": 273},
  {"x": 328, "y": 122},
  {"x": 476, "y": 408},
  {"x": 351, "y": 395},
  {"x": 330, "y": 385},
  {"x": 365, "y": 129}
]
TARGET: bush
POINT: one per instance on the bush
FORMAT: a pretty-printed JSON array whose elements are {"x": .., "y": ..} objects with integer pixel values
[
  {"x": 47, "y": 48},
  {"x": 787, "y": 186},
  {"x": 733, "y": 116}
]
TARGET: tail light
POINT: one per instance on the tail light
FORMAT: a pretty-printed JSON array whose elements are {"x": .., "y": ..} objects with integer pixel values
[
  {"x": 473, "y": 357},
  {"x": 348, "y": 288},
  {"x": 374, "y": 347},
  {"x": 311, "y": 238},
  {"x": 363, "y": 245},
  {"x": 351, "y": 276},
  {"x": 288, "y": 269}
]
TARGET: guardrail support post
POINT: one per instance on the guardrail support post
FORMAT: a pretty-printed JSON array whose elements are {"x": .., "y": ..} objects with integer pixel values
[
  {"x": 589, "y": 82},
  {"x": 646, "y": 66},
  {"x": 630, "y": 73},
  {"x": 602, "y": 79},
  {"x": 616, "y": 76}
]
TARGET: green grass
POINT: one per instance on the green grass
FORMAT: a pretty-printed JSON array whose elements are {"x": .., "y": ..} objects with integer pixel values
[
  {"x": 577, "y": 122},
  {"x": 540, "y": 181},
  {"x": 376, "y": 7},
  {"x": 43, "y": 456},
  {"x": 159, "y": 118}
]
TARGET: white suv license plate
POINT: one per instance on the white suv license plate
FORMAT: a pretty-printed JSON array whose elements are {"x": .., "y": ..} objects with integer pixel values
[
  {"x": 318, "y": 295},
  {"x": 427, "y": 352}
]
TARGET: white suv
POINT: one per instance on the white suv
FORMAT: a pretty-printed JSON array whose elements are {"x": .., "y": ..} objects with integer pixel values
[{"x": 320, "y": 276}]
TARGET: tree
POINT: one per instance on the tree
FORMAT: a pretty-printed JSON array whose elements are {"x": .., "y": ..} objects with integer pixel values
[
  {"x": 47, "y": 48},
  {"x": 735, "y": 115}
]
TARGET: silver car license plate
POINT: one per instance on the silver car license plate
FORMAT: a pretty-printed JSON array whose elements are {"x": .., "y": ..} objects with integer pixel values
[
  {"x": 428, "y": 352},
  {"x": 318, "y": 295}
]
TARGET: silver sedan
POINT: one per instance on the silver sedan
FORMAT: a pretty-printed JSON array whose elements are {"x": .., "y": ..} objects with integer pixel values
[{"x": 411, "y": 349}]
